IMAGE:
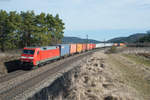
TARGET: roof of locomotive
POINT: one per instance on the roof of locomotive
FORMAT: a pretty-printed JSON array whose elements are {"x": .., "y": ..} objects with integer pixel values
[
  {"x": 61, "y": 44},
  {"x": 42, "y": 48}
]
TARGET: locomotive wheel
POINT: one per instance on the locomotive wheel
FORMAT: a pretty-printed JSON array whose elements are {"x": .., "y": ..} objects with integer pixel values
[{"x": 34, "y": 67}]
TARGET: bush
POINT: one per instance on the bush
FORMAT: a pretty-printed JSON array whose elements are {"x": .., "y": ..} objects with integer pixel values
[{"x": 113, "y": 49}]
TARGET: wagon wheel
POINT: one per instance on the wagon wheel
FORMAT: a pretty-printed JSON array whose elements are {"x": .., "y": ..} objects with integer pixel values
[{"x": 34, "y": 67}]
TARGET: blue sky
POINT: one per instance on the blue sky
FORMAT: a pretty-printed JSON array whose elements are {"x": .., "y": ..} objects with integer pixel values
[{"x": 100, "y": 19}]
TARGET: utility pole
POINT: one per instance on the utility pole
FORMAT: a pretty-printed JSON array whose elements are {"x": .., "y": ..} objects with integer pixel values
[
  {"x": 104, "y": 42},
  {"x": 86, "y": 41},
  {"x": 87, "y": 38}
]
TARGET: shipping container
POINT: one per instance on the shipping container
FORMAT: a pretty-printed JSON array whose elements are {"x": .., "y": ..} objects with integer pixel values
[
  {"x": 115, "y": 44},
  {"x": 93, "y": 46},
  {"x": 122, "y": 44},
  {"x": 79, "y": 48},
  {"x": 108, "y": 44},
  {"x": 73, "y": 48},
  {"x": 100, "y": 45},
  {"x": 88, "y": 46},
  {"x": 83, "y": 47},
  {"x": 64, "y": 49}
]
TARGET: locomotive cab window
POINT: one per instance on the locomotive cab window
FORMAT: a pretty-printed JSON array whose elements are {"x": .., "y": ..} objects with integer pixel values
[
  {"x": 31, "y": 52},
  {"x": 37, "y": 52}
]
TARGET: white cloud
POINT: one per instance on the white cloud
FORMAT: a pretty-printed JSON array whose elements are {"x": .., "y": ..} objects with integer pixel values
[
  {"x": 91, "y": 14},
  {"x": 114, "y": 14}
]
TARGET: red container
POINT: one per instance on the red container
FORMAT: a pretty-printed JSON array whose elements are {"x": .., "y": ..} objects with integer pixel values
[
  {"x": 94, "y": 46},
  {"x": 73, "y": 48},
  {"x": 88, "y": 46},
  {"x": 91, "y": 46},
  {"x": 83, "y": 47}
]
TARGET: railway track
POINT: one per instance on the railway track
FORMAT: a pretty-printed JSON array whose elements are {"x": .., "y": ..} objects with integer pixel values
[
  {"x": 11, "y": 75},
  {"x": 10, "y": 87}
]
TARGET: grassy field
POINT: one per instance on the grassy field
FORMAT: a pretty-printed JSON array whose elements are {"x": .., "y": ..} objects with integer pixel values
[
  {"x": 138, "y": 59},
  {"x": 133, "y": 72}
]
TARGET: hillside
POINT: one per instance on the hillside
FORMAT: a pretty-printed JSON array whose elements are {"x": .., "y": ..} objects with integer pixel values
[
  {"x": 129, "y": 39},
  {"x": 78, "y": 40},
  {"x": 145, "y": 39}
]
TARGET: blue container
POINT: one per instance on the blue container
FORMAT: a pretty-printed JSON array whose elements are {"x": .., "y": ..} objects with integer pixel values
[{"x": 64, "y": 49}]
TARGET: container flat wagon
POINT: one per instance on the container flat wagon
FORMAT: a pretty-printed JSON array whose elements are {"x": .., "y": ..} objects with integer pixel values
[
  {"x": 93, "y": 46},
  {"x": 79, "y": 48},
  {"x": 108, "y": 44},
  {"x": 83, "y": 47},
  {"x": 73, "y": 48},
  {"x": 90, "y": 46},
  {"x": 100, "y": 45},
  {"x": 64, "y": 49}
]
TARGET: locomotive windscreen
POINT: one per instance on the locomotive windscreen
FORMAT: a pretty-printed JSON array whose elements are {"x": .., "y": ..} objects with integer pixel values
[{"x": 28, "y": 52}]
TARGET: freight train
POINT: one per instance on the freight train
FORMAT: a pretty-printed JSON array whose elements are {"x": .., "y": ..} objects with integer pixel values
[{"x": 36, "y": 56}]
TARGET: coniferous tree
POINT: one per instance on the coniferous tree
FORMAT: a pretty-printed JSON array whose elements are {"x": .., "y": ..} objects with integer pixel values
[
  {"x": 27, "y": 29},
  {"x": 14, "y": 26},
  {"x": 3, "y": 32}
]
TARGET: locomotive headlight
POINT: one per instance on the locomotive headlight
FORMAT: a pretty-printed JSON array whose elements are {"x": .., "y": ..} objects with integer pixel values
[
  {"x": 23, "y": 57},
  {"x": 30, "y": 57}
]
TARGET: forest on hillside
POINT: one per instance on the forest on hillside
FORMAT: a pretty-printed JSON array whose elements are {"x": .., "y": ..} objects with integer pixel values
[
  {"x": 146, "y": 38},
  {"x": 134, "y": 38},
  {"x": 29, "y": 29}
]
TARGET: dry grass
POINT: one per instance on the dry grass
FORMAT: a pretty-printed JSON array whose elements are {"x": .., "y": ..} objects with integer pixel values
[
  {"x": 113, "y": 49},
  {"x": 132, "y": 74},
  {"x": 138, "y": 59}
]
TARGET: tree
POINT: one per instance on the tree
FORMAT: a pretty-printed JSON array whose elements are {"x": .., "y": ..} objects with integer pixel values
[
  {"x": 59, "y": 26},
  {"x": 3, "y": 34},
  {"x": 27, "y": 29},
  {"x": 42, "y": 36},
  {"x": 56, "y": 27},
  {"x": 148, "y": 32},
  {"x": 9, "y": 24},
  {"x": 146, "y": 38},
  {"x": 13, "y": 27}
]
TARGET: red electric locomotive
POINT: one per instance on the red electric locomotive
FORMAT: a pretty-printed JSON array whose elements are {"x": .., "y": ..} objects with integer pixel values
[{"x": 37, "y": 55}]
